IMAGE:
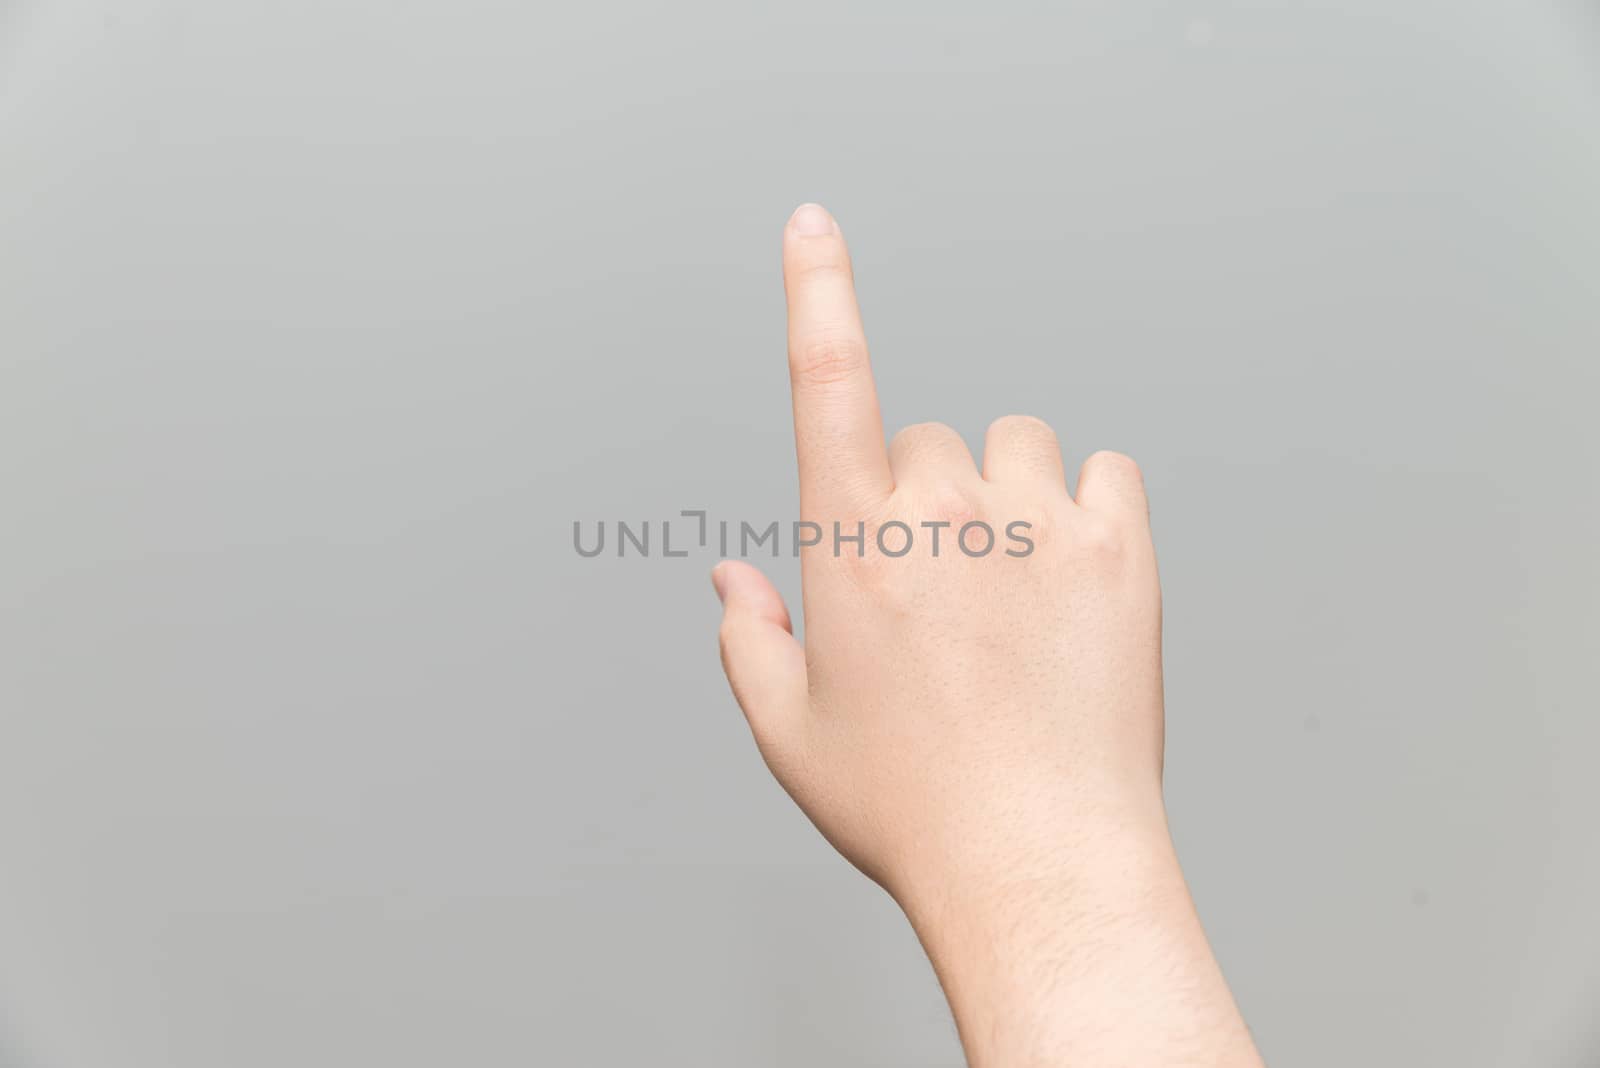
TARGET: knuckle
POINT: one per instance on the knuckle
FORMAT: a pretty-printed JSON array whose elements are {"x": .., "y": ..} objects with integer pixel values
[
  {"x": 824, "y": 267},
  {"x": 1115, "y": 463},
  {"x": 826, "y": 360},
  {"x": 1100, "y": 540},
  {"x": 1036, "y": 520},
  {"x": 726, "y": 638},
  {"x": 1021, "y": 426},
  {"x": 866, "y": 570},
  {"x": 918, "y": 436},
  {"x": 947, "y": 501}
]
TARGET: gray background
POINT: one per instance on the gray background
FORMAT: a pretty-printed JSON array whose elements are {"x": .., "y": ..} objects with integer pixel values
[{"x": 322, "y": 320}]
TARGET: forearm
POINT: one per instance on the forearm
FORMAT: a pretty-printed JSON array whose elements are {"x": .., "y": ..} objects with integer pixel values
[{"x": 1097, "y": 959}]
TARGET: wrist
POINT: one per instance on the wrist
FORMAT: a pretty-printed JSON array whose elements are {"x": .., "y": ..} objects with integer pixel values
[
  {"x": 1115, "y": 866},
  {"x": 1036, "y": 955},
  {"x": 1085, "y": 854}
]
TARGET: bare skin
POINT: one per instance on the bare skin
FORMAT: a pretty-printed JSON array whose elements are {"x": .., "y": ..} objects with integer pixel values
[{"x": 981, "y": 735}]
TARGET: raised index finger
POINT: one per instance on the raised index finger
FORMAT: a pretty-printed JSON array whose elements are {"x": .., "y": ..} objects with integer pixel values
[{"x": 838, "y": 431}]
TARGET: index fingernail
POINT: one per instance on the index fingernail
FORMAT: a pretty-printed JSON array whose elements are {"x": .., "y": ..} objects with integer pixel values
[{"x": 812, "y": 220}]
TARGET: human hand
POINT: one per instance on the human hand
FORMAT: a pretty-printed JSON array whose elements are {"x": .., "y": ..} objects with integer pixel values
[{"x": 981, "y": 734}]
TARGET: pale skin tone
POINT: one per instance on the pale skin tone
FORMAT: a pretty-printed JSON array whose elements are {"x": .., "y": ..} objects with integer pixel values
[{"x": 981, "y": 736}]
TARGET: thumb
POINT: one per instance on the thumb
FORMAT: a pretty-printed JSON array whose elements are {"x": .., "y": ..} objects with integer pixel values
[{"x": 766, "y": 667}]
